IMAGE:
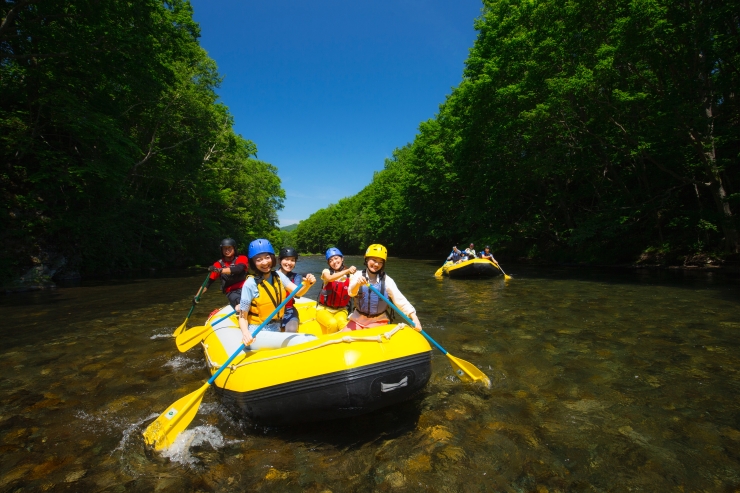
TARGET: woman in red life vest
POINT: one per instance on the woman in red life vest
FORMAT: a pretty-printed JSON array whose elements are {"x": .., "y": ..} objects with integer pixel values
[
  {"x": 370, "y": 310},
  {"x": 232, "y": 269},
  {"x": 333, "y": 306}
]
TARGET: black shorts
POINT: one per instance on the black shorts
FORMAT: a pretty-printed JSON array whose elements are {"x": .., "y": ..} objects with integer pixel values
[{"x": 234, "y": 297}]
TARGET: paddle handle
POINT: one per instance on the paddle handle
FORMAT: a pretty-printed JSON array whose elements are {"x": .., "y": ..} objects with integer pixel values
[
  {"x": 262, "y": 325},
  {"x": 223, "y": 318},
  {"x": 198, "y": 296},
  {"x": 407, "y": 319}
]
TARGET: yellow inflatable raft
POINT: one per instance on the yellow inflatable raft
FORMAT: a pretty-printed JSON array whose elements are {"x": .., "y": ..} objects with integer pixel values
[
  {"x": 311, "y": 375},
  {"x": 471, "y": 268}
]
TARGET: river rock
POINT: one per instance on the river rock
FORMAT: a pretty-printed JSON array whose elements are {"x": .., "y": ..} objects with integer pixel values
[
  {"x": 396, "y": 479},
  {"x": 74, "y": 476},
  {"x": 273, "y": 474},
  {"x": 469, "y": 348}
]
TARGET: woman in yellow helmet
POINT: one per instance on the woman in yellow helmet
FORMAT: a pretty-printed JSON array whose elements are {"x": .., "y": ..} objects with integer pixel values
[{"x": 370, "y": 310}]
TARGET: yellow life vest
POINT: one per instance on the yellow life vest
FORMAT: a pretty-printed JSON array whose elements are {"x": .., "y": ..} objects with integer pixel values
[{"x": 271, "y": 294}]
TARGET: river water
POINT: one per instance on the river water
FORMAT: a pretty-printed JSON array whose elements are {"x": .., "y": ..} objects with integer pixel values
[{"x": 602, "y": 380}]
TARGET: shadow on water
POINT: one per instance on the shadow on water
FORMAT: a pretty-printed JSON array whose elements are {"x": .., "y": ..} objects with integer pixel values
[{"x": 350, "y": 433}]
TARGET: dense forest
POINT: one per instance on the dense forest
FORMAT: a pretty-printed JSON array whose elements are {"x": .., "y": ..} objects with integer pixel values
[
  {"x": 115, "y": 151},
  {"x": 591, "y": 131}
]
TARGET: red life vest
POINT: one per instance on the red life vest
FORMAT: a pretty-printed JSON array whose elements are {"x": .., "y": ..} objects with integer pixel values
[
  {"x": 230, "y": 282},
  {"x": 292, "y": 276},
  {"x": 335, "y": 294}
]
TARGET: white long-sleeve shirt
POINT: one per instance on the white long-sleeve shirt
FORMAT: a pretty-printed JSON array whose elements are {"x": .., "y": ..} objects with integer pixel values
[{"x": 391, "y": 290}]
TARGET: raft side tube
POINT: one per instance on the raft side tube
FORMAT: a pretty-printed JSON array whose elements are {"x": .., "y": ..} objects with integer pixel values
[{"x": 335, "y": 395}]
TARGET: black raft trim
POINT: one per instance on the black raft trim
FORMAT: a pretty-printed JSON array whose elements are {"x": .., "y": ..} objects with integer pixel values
[{"x": 340, "y": 377}]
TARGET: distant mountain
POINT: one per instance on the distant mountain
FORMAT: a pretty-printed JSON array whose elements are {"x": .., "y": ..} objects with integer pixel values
[{"x": 289, "y": 227}]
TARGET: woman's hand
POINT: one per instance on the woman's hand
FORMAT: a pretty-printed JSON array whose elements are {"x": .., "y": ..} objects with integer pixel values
[
  {"x": 352, "y": 269},
  {"x": 415, "y": 319},
  {"x": 310, "y": 278},
  {"x": 247, "y": 338}
]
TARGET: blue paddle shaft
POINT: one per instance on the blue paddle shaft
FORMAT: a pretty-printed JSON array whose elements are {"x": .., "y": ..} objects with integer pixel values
[
  {"x": 222, "y": 319},
  {"x": 410, "y": 322},
  {"x": 262, "y": 325}
]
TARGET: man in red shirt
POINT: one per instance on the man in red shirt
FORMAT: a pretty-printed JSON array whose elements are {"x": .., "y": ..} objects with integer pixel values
[{"x": 232, "y": 269}]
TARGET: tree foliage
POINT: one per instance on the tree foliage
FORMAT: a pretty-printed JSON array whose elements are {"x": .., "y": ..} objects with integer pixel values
[
  {"x": 115, "y": 150},
  {"x": 591, "y": 131}
]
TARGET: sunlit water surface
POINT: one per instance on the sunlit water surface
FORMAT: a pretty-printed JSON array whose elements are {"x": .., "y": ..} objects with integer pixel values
[{"x": 603, "y": 380}]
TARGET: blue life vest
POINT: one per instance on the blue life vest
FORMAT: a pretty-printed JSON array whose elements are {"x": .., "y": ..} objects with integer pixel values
[{"x": 367, "y": 302}]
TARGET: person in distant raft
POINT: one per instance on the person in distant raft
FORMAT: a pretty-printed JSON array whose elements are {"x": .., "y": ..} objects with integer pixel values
[
  {"x": 455, "y": 256},
  {"x": 288, "y": 258},
  {"x": 487, "y": 255},
  {"x": 470, "y": 252},
  {"x": 370, "y": 310},
  {"x": 263, "y": 291},
  {"x": 333, "y": 305},
  {"x": 232, "y": 269}
]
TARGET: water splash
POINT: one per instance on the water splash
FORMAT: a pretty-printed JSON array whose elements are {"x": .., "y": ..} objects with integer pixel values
[
  {"x": 163, "y": 335},
  {"x": 181, "y": 363},
  {"x": 179, "y": 451},
  {"x": 128, "y": 434}
]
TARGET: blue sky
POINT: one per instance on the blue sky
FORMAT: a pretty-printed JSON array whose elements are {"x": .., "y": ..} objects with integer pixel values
[{"x": 328, "y": 89}]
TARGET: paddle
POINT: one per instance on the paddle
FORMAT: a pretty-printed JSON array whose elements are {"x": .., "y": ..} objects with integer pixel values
[
  {"x": 506, "y": 276},
  {"x": 463, "y": 369},
  {"x": 161, "y": 433},
  {"x": 192, "y": 337},
  {"x": 182, "y": 327},
  {"x": 439, "y": 271}
]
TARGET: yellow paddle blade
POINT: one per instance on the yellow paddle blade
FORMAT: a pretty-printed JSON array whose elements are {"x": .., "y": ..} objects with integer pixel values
[
  {"x": 161, "y": 433},
  {"x": 180, "y": 329},
  {"x": 439, "y": 272},
  {"x": 467, "y": 371},
  {"x": 192, "y": 337}
]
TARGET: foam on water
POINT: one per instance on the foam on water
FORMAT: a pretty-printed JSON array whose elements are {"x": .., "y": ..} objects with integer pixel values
[
  {"x": 128, "y": 433},
  {"x": 182, "y": 363},
  {"x": 179, "y": 451},
  {"x": 163, "y": 335}
]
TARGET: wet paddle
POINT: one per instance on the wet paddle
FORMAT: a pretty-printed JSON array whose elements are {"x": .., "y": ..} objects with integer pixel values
[
  {"x": 182, "y": 327},
  {"x": 506, "y": 276},
  {"x": 192, "y": 337},
  {"x": 161, "y": 433},
  {"x": 463, "y": 369}
]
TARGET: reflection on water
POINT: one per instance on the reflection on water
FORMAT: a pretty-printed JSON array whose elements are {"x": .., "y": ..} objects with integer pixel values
[{"x": 602, "y": 381}]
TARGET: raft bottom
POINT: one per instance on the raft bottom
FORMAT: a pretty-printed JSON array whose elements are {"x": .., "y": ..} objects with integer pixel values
[{"x": 335, "y": 395}]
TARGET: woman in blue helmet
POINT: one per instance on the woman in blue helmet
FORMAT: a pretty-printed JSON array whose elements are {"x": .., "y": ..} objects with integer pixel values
[
  {"x": 264, "y": 290},
  {"x": 333, "y": 306}
]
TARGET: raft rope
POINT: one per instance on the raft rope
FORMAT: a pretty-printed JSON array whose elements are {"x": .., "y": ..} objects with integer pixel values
[{"x": 347, "y": 339}]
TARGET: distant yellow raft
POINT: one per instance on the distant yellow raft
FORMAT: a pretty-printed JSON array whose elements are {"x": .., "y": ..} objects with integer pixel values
[
  {"x": 471, "y": 268},
  {"x": 315, "y": 376}
]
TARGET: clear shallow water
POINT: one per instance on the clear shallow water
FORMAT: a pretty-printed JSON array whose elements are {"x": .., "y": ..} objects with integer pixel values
[{"x": 603, "y": 380}]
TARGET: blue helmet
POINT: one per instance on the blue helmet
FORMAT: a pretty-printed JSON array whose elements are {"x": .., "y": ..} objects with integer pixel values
[
  {"x": 260, "y": 246},
  {"x": 332, "y": 252}
]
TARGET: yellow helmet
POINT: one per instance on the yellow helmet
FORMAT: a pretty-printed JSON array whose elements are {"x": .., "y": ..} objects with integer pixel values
[{"x": 376, "y": 250}]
